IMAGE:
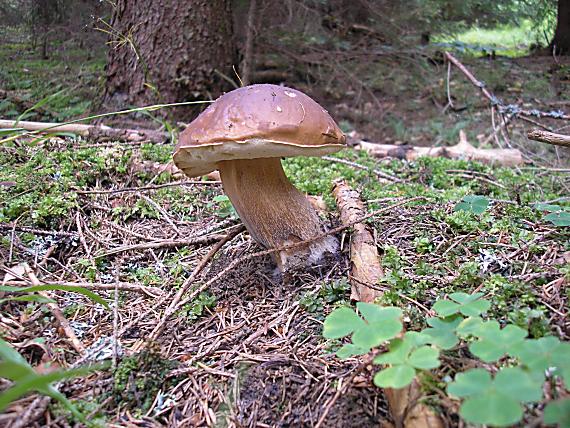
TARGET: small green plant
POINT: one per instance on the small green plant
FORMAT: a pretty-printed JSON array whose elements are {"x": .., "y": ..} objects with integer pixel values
[
  {"x": 225, "y": 207},
  {"x": 333, "y": 292},
  {"x": 557, "y": 215},
  {"x": 195, "y": 309},
  {"x": 138, "y": 379},
  {"x": 473, "y": 203},
  {"x": 495, "y": 401}
]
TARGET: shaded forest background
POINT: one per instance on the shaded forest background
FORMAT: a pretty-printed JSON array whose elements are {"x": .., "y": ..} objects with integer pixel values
[{"x": 376, "y": 65}]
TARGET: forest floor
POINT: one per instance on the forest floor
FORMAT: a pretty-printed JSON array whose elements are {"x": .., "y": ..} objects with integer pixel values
[{"x": 248, "y": 351}]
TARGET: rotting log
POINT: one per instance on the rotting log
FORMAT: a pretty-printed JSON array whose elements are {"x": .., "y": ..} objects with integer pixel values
[
  {"x": 94, "y": 132},
  {"x": 462, "y": 150},
  {"x": 365, "y": 273},
  {"x": 549, "y": 137}
]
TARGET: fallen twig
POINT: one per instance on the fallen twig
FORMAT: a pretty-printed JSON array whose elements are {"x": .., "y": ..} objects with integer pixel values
[
  {"x": 142, "y": 188},
  {"x": 88, "y": 131},
  {"x": 12, "y": 226},
  {"x": 365, "y": 267},
  {"x": 462, "y": 150},
  {"x": 199, "y": 240},
  {"x": 549, "y": 137},
  {"x": 121, "y": 286},
  {"x": 511, "y": 108},
  {"x": 380, "y": 174},
  {"x": 162, "y": 211}
]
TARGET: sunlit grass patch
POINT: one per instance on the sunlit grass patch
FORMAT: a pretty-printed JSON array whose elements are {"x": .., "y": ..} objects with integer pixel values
[{"x": 507, "y": 40}]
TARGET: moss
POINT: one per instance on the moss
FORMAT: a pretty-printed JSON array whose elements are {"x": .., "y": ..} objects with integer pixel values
[{"x": 138, "y": 378}]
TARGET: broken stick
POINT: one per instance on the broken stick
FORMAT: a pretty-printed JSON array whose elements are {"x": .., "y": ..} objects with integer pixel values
[
  {"x": 365, "y": 268},
  {"x": 549, "y": 137},
  {"x": 462, "y": 150},
  {"x": 57, "y": 313}
]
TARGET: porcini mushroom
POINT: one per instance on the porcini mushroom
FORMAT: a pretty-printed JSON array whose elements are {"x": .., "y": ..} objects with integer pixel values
[{"x": 244, "y": 134}]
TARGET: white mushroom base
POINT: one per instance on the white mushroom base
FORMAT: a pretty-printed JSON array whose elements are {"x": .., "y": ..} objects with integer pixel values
[{"x": 274, "y": 212}]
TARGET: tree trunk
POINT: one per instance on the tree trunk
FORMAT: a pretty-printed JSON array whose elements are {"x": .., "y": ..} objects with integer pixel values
[
  {"x": 168, "y": 51},
  {"x": 561, "y": 41}
]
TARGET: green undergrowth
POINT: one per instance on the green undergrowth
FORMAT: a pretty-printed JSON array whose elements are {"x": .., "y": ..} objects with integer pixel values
[
  {"x": 496, "y": 398},
  {"x": 507, "y": 40},
  {"x": 427, "y": 177},
  {"x": 58, "y": 168},
  {"x": 138, "y": 379},
  {"x": 70, "y": 79}
]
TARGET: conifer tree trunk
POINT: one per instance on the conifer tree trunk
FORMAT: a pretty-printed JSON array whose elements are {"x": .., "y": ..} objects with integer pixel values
[
  {"x": 168, "y": 51},
  {"x": 561, "y": 41}
]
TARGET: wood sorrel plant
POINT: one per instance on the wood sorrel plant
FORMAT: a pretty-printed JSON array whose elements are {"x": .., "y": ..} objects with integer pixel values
[{"x": 495, "y": 400}]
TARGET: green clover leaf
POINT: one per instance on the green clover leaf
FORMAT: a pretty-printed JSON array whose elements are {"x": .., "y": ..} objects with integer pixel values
[
  {"x": 442, "y": 331},
  {"x": 374, "y": 334},
  {"x": 470, "y": 305},
  {"x": 379, "y": 325},
  {"x": 406, "y": 356},
  {"x": 375, "y": 313},
  {"x": 493, "y": 342},
  {"x": 495, "y": 401},
  {"x": 559, "y": 218},
  {"x": 395, "y": 377},
  {"x": 341, "y": 322},
  {"x": 350, "y": 350},
  {"x": 558, "y": 412},
  {"x": 470, "y": 326},
  {"x": 473, "y": 203},
  {"x": 540, "y": 354},
  {"x": 548, "y": 207}
]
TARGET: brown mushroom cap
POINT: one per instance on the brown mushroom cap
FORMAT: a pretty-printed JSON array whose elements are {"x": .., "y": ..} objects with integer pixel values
[{"x": 257, "y": 121}]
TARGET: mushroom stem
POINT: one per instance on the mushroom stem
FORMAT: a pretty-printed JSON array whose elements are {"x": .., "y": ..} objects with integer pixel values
[{"x": 274, "y": 212}]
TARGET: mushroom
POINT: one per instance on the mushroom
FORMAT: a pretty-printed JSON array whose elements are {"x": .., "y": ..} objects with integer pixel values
[{"x": 244, "y": 134}]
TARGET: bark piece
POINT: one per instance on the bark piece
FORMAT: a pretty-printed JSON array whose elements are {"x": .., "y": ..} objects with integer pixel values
[
  {"x": 365, "y": 268},
  {"x": 462, "y": 150}
]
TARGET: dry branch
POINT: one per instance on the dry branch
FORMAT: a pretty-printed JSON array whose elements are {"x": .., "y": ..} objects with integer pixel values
[
  {"x": 495, "y": 101},
  {"x": 175, "y": 303},
  {"x": 94, "y": 132},
  {"x": 549, "y": 137},
  {"x": 144, "y": 188},
  {"x": 122, "y": 286},
  {"x": 462, "y": 150},
  {"x": 199, "y": 240},
  {"x": 365, "y": 268}
]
